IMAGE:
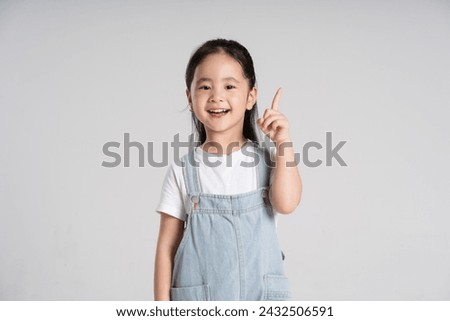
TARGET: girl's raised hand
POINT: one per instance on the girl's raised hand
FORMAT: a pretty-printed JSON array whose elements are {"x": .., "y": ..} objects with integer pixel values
[{"x": 273, "y": 123}]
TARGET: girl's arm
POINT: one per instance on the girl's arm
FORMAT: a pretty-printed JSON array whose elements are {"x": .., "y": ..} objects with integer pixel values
[
  {"x": 170, "y": 234},
  {"x": 286, "y": 189}
]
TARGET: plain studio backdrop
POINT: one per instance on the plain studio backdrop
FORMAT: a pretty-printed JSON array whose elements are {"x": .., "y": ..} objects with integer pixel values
[{"x": 75, "y": 75}]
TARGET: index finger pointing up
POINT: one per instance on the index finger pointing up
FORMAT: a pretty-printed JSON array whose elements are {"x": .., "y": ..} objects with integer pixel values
[{"x": 276, "y": 99}]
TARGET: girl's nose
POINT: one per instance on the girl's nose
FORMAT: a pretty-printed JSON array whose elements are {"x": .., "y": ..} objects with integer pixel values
[{"x": 216, "y": 96}]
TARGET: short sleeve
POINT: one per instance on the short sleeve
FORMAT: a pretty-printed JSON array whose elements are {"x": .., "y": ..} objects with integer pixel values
[{"x": 171, "y": 200}]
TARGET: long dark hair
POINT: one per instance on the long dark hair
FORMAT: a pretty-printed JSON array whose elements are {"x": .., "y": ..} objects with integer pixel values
[{"x": 242, "y": 56}]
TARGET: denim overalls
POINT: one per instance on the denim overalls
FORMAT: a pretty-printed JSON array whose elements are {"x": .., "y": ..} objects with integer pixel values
[{"x": 229, "y": 249}]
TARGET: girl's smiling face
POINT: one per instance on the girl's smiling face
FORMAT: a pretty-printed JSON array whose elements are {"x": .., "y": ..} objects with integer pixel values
[{"x": 220, "y": 95}]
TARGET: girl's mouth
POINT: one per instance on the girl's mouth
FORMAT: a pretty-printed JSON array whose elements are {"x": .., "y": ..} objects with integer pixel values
[{"x": 218, "y": 111}]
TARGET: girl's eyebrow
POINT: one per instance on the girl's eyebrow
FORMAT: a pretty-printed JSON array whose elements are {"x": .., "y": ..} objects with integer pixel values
[
  {"x": 231, "y": 78},
  {"x": 203, "y": 79},
  {"x": 209, "y": 79}
]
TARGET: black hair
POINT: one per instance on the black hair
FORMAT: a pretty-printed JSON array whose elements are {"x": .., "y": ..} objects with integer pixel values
[{"x": 242, "y": 56}]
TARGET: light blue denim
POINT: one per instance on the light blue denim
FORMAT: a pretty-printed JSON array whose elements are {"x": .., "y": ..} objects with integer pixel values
[{"x": 229, "y": 249}]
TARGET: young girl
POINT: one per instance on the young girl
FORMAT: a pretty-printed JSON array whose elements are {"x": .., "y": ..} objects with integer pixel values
[{"x": 217, "y": 238}]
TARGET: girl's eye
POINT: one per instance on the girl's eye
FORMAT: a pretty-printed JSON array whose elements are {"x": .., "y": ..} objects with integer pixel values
[
  {"x": 205, "y": 87},
  {"x": 230, "y": 87}
]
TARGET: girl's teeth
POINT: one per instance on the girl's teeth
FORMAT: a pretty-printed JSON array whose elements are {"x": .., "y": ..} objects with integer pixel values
[{"x": 219, "y": 111}]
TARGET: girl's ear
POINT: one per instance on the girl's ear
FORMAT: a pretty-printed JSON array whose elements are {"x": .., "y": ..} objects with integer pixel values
[
  {"x": 188, "y": 95},
  {"x": 251, "y": 98}
]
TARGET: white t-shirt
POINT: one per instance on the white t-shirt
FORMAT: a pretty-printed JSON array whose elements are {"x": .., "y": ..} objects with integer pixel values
[{"x": 228, "y": 178}]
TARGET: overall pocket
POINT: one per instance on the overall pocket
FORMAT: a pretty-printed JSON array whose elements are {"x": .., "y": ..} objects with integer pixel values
[
  {"x": 276, "y": 288},
  {"x": 190, "y": 293}
]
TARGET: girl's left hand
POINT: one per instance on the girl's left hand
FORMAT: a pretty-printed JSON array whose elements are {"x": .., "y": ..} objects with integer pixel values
[{"x": 274, "y": 123}]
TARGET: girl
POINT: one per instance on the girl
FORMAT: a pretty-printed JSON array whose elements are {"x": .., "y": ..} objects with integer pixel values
[{"x": 217, "y": 238}]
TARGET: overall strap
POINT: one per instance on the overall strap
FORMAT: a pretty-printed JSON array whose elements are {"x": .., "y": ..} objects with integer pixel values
[
  {"x": 190, "y": 171},
  {"x": 265, "y": 166}
]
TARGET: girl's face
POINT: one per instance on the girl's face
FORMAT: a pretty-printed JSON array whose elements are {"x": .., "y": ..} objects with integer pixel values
[{"x": 220, "y": 95}]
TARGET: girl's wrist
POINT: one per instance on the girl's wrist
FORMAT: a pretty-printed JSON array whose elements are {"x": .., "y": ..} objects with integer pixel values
[{"x": 284, "y": 143}]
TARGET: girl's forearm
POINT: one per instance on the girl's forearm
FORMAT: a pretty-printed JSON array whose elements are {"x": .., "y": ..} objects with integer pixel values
[
  {"x": 163, "y": 276},
  {"x": 286, "y": 188},
  {"x": 170, "y": 233}
]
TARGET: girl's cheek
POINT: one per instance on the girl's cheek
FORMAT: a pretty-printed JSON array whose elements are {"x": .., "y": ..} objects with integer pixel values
[{"x": 201, "y": 94}]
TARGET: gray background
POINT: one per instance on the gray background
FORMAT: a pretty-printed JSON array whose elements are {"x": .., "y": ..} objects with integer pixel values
[{"x": 77, "y": 74}]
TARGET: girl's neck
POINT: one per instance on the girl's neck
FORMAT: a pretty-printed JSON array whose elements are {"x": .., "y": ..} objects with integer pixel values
[{"x": 215, "y": 144}]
